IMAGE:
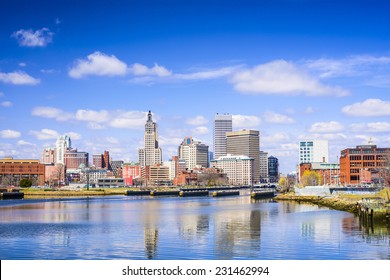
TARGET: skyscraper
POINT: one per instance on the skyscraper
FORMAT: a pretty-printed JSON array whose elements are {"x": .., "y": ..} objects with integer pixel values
[
  {"x": 222, "y": 124},
  {"x": 151, "y": 154},
  {"x": 313, "y": 151},
  {"x": 245, "y": 142},
  {"x": 194, "y": 153},
  {"x": 63, "y": 144}
]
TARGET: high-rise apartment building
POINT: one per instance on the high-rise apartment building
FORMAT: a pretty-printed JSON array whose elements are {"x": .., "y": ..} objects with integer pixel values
[
  {"x": 239, "y": 168},
  {"x": 63, "y": 144},
  {"x": 98, "y": 161},
  {"x": 263, "y": 166},
  {"x": 245, "y": 142},
  {"x": 151, "y": 154},
  {"x": 222, "y": 123},
  {"x": 194, "y": 153},
  {"x": 313, "y": 151}
]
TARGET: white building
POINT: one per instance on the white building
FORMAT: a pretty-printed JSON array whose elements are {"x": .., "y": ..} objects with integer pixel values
[
  {"x": 151, "y": 154},
  {"x": 222, "y": 124},
  {"x": 238, "y": 169},
  {"x": 313, "y": 151},
  {"x": 194, "y": 153},
  {"x": 63, "y": 144}
]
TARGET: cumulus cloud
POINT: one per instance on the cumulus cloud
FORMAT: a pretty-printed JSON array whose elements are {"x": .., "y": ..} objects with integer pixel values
[
  {"x": 272, "y": 117},
  {"x": 268, "y": 140},
  {"x": 281, "y": 77},
  {"x": 242, "y": 121},
  {"x": 368, "y": 108},
  {"x": 326, "y": 127},
  {"x": 129, "y": 119},
  {"x": 45, "y": 134},
  {"x": 31, "y": 38},
  {"x": 198, "y": 120},
  {"x": 18, "y": 78},
  {"x": 9, "y": 134},
  {"x": 24, "y": 143},
  {"x": 98, "y": 64},
  {"x": 373, "y": 127},
  {"x": 138, "y": 69},
  {"x": 73, "y": 135},
  {"x": 92, "y": 116},
  {"x": 51, "y": 113},
  {"x": 200, "y": 130}
]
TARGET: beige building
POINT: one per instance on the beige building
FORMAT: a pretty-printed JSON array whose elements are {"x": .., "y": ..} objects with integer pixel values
[
  {"x": 239, "y": 169},
  {"x": 245, "y": 142},
  {"x": 195, "y": 153},
  {"x": 151, "y": 154}
]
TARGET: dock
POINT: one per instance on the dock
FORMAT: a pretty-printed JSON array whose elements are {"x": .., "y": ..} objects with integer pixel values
[
  {"x": 263, "y": 194},
  {"x": 194, "y": 193},
  {"x": 11, "y": 193},
  {"x": 225, "y": 193},
  {"x": 164, "y": 193},
  {"x": 137, "y": 193}
]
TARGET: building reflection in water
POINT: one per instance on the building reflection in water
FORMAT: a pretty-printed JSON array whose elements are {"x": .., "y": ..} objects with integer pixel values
[{"x": 151, "y": 242}]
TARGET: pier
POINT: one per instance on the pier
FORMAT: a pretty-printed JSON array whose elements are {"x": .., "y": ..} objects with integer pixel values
[
  {"x": 11, "y": 193},
  {"x": 225, "y": 193},
  {"x": 263, "y": 194}
]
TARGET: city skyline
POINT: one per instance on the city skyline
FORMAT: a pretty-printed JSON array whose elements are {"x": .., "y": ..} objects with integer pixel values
[{"x": 291, "y": 69}]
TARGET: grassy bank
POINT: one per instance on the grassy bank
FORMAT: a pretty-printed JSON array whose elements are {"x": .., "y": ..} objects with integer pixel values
[{"x": 345, "y": 202}]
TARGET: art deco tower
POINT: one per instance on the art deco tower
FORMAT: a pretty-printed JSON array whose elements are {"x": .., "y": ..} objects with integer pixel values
[{"x": 151, "y": 154}]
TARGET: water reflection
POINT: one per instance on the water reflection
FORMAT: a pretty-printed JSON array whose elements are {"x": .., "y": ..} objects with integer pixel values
[{"x": 185, "y": 228}]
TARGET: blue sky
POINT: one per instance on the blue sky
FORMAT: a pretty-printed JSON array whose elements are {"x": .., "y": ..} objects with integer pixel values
[{"x": 292, "y": 69}]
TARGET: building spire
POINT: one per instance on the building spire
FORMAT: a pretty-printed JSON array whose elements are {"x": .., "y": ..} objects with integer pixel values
[{"x": 150, "y": 116}]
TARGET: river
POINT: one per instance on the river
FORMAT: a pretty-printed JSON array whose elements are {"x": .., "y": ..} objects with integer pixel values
[{"x": 168, "y": 228}]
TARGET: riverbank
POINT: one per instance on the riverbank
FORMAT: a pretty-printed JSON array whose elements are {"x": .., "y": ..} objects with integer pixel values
[
  {"x": 34, "y": 193},
  {"x": 351, "y": 203}
]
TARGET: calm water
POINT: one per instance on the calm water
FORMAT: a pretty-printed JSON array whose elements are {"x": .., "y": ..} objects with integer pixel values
[{"x": 183, "y": 228}]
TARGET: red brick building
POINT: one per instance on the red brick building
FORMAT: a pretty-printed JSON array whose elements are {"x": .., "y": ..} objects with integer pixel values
[
  {"x": 356, "y": 163},
  {"x": 14, "y": 170}
]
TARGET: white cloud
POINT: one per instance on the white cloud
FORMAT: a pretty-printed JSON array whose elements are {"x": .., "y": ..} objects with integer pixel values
[
  {"x": 270, "y": 140},
  {"x": 142, "y": 70},
  {"x": 242, "y": 121},
  {"x": 309, "y": 110},
  {"x": 207, "y": 74},
  {"x": 350, "y": 66},
  {"x": 31, "y": 38},
  {"x": 198, "y": 120},
  {"x": 18, "y": 78},
  {"x": 51, "y": 113},
  {"x": 200, "y": 130},
  {"x": 92, "y": 116},
  {"x": 24, "y": 143},
  {"x": 281, "y": 77},
  {"x": 8, "y": 133},
  {"x": 375, "y": 127},
  {"x": 45, "y": 134},
  {"x": 6, "y": 104},
  {"x": 22, "y": 64},
  {"x": 73, "y": 135},
  {"x": 326, "y": 127},
  {"x": 129, "y": 119},
  {"x": 326, "y": 136},
  {"x": 272, "y": 117},
  {"x": 368, "y": 108},
  {"x": 98, "y": 64}
]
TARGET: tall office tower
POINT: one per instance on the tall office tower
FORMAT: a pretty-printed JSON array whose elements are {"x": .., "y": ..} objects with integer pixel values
[
  {"x": 151, "y": 154},
  {"x": 222, "y": 124},
  {"x": 313, "y": 151},
  {"x": 194, "y": 153},
  {"x": 247, "y": 143},
  {"x": 273, "y": 169},
  {"x": 63, "y": 144},
  {"x": 263, "y": 166}
]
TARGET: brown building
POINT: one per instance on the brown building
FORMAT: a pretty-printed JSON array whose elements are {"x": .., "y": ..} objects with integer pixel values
[
  {"x": 73, "y": 159},
  {"x": 355, "y": 163},
  {"x": 14, "y": 170}
]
